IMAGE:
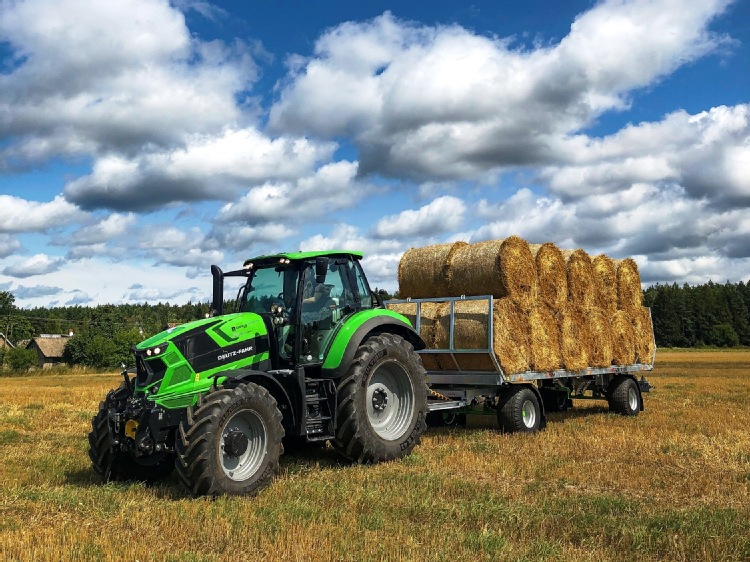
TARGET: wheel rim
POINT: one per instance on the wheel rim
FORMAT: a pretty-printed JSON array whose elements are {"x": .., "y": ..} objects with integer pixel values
[
  {"x": 243, "y": 445},
  {"x": 528, "y": 414},
  {"x": 632, "y": 399},
  {"x": 390, "y": 401}
]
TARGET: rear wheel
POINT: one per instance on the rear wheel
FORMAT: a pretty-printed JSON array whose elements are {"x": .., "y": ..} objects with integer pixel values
[
  {"x": 118, "y": 465},
  {"x": 230, "y": 442},
  {"x": 519, "y": 410},
  {"x": 624, "y": 397},
  {"x": 382, "y": 401}
]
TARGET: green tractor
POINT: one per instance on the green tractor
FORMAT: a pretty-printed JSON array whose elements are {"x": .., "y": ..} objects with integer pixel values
[{"x": 310, "y": 355}]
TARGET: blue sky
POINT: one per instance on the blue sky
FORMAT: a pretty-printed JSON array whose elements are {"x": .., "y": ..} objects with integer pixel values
[{"x": 144, "y": 140}]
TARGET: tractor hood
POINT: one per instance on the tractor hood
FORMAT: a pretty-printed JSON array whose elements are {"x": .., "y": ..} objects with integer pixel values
[{"x": 174, "y": 360}]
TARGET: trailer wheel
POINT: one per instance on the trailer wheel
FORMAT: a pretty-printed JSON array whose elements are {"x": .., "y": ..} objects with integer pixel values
[
  {"x": 381, "y": 401},
  {"x": 624, "y": 397},
  {"x": 231, "y": 442},
  {"x": 447, "y": 418},
  {"x": 519, "y": 410},
  {"x": 113, "y": 465}
]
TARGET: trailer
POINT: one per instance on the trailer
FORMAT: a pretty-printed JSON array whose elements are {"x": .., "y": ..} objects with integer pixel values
[{"x": 519, "y": 400}]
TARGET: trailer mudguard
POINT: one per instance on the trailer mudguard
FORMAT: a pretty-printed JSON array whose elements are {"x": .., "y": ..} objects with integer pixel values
[{"x": 357, "y": 329}]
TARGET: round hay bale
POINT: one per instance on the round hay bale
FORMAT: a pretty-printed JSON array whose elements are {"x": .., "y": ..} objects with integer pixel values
[
  {"x": 623, "y": 338},
  {"x": 510, "y": 338},
  {"x": 598, "y": 336},
  {"x": 423, "y": 272},
  {"x": 582, "y": 285},
  {"x": 573, "y": 338},
  {"x": 429, "y": 312},
  {"x": 604, "y": 268},
  {"x": 502, "y": 268},
  {"x": 551, "y": 273},
  {"x": 644, "y": 335},
  {"x": 545, "y": 339},
  {"x": 629, "y": 292}
]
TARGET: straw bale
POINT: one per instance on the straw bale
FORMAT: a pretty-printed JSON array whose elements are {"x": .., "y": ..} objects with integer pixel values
[
  {"x": 582, "y": 281},
  {"x": 604, "y": 268},
  {"x": 423, "y": 272},
  {"x": 429, "y": 312},
  {"x": 552, "y": 276},
  {"x": 510, "y": 335},
  {"x": 644, "y": 335},
  {"x": 598, "y": 336},
  {"x": 502, "y": 268},
  {"x": 629, "y": 293},
  {"x": 623, "y": 338},
  {"x": 545, "y": 338},
  {"x": 573, "y": 338}
]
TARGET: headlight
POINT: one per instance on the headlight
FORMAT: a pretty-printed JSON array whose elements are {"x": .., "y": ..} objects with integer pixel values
[{"x": 153, "y": 351}]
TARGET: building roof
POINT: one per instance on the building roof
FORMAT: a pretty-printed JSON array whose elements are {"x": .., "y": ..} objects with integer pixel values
[{"x": 51, "y": 346}]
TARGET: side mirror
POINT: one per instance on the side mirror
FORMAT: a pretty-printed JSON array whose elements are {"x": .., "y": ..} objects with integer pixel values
[{"x": 321, "y": 269}]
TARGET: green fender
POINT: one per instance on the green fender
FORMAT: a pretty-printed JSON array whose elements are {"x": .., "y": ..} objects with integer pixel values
[{"x": 356, "y": 329}]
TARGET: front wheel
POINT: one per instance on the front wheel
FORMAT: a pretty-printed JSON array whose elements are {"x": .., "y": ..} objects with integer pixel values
[
  {"x": 122, "y": 465},
  {"x": 624, "y": 396},
  {"x": 231, "y": 442},
  {"x": 382, "y": 401},
  {"x": 519, "y": 410}
]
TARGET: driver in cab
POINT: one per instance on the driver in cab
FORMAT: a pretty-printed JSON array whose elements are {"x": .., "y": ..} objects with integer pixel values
[{"x": 321, "y": 299}]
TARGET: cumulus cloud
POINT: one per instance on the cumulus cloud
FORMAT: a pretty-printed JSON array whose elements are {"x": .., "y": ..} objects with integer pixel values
[
  {"x": 19, "y": 215},
  {"x": 24, "y": 292},
  {"x": 444, "y": 214},
  {"x": 112, "y": 226},
  {"x": 38, "y": 264},
  {"x": 443, "y": 102},
  {"x": 91, "y": 77},
  {"x": 8, "y": 245}
]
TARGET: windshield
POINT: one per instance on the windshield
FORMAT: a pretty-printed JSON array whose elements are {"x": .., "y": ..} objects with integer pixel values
[{"x": 270, "y": 286}]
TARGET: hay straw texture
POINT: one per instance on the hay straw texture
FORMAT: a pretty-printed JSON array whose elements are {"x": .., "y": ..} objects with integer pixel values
[
  {"x": 502, "y": 268},
  {"x": 545, "y": 339},
  {"x": 629, "y": 293},
  {"x": 604, "y": 268},
  {"x": 599, "y": 341},
  {"x": 510, "y": 336},
  {"x": 573, "y": 337},
  {"x": 644, "y": 335},
  {"x": 582, "y": 284},
  {"x": 623, "y": 338},
  {"x": 424, "y": 272},
  {"x": 552, "y": 275},
  {"x": 429, "y": 312}
]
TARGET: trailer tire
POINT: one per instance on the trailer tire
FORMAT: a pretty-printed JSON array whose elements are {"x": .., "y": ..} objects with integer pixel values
[
  {"x": 624, "y": 396},
  {"x": 230, "y": 442},
  {"x": 518, "y": 410},
  {"x": 381, "y": 401}
]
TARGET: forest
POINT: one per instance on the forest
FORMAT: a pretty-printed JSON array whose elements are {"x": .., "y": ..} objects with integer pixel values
[{"x": 707, "y": 315}]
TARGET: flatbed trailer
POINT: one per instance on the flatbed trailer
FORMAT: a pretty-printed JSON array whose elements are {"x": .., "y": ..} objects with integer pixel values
[{"x": 519, "y": 400}]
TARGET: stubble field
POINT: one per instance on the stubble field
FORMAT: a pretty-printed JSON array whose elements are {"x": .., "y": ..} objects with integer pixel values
[{"x": 670, "y": 484}]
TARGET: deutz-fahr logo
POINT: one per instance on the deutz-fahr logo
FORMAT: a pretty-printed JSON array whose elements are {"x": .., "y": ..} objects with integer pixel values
[{"x": 235, "y": 353}]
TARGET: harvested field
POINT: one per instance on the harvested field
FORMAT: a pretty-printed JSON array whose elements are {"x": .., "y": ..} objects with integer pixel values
[{"x": 672, "y": 484}]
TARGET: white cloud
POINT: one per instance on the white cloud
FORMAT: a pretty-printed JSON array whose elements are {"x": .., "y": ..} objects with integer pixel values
[
  {"x": 112, "y": 226},
  {"x": 38, "y": 264},
  {"x": 20, "y": 215},
  {"x": 8, "y": 245},
  {"x": 444, "y": 214}
]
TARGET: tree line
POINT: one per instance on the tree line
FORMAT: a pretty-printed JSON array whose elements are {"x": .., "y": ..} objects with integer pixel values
[{"x": 710, "y": 314}]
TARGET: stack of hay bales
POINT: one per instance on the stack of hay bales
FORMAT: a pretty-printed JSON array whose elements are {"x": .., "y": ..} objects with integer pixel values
[{"x": 553, "y": 308}]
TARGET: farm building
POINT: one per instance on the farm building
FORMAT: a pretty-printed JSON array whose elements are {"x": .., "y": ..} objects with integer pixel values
[{"x": 49, "y": 349}]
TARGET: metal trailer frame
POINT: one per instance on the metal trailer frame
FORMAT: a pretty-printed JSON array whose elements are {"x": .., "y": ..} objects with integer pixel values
[{"x": 460, "y": 389}]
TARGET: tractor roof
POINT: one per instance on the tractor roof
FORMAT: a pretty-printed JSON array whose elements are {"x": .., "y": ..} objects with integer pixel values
[{"x": 298, "y": 256}]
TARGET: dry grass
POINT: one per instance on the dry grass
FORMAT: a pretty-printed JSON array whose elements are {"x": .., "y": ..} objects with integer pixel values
[{"x": 670, "y": 484}]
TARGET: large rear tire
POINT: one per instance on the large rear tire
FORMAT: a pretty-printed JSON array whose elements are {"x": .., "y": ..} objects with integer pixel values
[
  {"x": 624, "y": 396},
  {"x": 231, "y": 442},
  {"x": 382, "y": 401},
  {"x": 113, "y": 465},
  {"x": 518, "y": 410}
]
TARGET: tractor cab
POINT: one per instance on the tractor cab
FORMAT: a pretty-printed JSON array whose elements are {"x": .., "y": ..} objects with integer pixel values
[{"x": 303, "y": 298}]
